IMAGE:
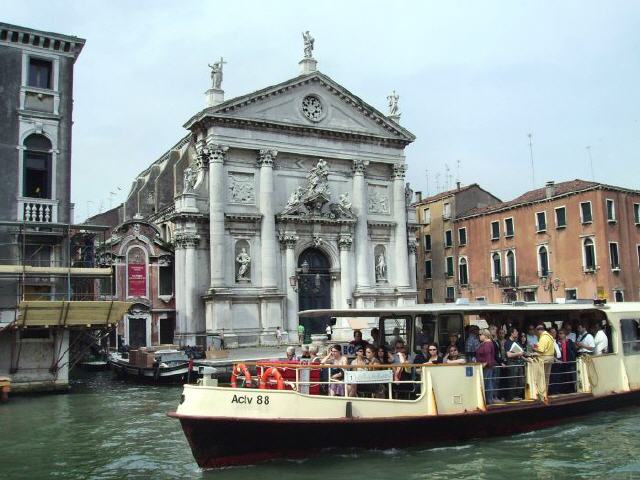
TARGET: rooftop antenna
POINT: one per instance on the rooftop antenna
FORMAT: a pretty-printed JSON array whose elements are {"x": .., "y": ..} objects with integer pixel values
[
  {"x": 593, "y": 177},
  {"x": 438, "y": 182},
  {"x": 426, "y": 173},
  {"x": 533, "y": 172},
  {"x": 447, "y": 176},
  {"x": 458, "y": 171}
]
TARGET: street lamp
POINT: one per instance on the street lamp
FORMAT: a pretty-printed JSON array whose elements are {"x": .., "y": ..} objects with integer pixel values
[{"x": 550, "y": 286}]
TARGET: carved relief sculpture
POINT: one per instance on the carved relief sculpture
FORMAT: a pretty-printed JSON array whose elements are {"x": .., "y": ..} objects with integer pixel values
[
  {"x": 241, "y": 188},
  {"x": 378, "y": 202}
]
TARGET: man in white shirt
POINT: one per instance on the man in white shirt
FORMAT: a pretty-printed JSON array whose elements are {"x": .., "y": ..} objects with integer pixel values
[
  {"x": 601, "y": 341},
  {"x": 584, "y": 341}
]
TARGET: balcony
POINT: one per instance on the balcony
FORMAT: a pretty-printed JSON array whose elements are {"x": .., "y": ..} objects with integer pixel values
[
  {"x": 507, "y": 281},
  {"x": 38, "y": 210}
]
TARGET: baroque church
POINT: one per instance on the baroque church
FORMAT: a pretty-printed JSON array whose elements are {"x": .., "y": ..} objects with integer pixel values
[{"x": 286, "y": 199}]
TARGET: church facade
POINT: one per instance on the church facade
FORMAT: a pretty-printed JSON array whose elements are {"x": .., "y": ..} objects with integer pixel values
[{"x": 286, "y": 199}]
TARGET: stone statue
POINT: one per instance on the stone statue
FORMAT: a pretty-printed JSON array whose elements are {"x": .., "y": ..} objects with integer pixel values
[
  {"x": 318, "y": 179},
  {"x": 381, "y": 267},
  {"x": 308, "y": 44},
  {"x": 294, "y": 200},
  {"x": 393, "y": 98},
  {"x": 216, "y": 74},
  {"x": 344, "y": 202},
  {"x": 244, "y": 261},
  {"x": 408, "y": 194},
  {"x": 189, "y": 181}
]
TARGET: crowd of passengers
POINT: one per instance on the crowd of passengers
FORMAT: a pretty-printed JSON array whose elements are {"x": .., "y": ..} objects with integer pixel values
[{"x": 502, "y": 351}]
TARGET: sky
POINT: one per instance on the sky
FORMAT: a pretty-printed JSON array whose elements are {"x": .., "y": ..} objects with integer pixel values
[{"x": 475, "y": 78}]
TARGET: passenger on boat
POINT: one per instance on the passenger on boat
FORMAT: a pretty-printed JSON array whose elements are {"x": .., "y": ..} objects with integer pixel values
[
  {"x": 357, "y": 340},
  {"x": 584, "y": 341},
  {"x": 472, "y": 343},
  {"x": 532, "y": 338},
  {"x": 305, "y": 356},
  {"x": 514, "y": 353},
  {"x": 485, "y": 354},
  {"x": 498, "y": 370},
  {"x": 455, "y": 340},
  {"x": 336, "y": 359},
  {"x": 600, "y": 339},
  {"x": 453, "y": 355},
  {"x": 384, "y": 356},
  {"x": 291, "y": 354},
  {"x": 361, "y": 362},
  {"x": 375, "y": 337},
  {"x": 522, "y": 340},
  {"x": 569, "y": 329},
  {"x": 377, "y": 390},
  {"x": 566, "y": 366},
  {"x": 546, "y": 352},
  {"x": 428, "y": 354},
  {"x": 313, "y": 354}
]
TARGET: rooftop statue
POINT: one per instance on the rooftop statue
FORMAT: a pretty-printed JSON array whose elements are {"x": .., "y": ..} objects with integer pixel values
[
  {"x": 216, "y": 74},
  {"x": 308, "y": 44},
  {"x": 393, "y": 104}
]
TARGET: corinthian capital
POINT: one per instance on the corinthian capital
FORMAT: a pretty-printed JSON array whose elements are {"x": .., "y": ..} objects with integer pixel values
[
  {"x": 399, "y": 171},
  {"x": 184, "y": 240},
  {"x": 359, "y": 166},
  {"x": 217, "y": 152},
  {"x": 267, "y": 157},
  {"x": 287, "y": 240},
  {"x": 412, "y": 245},
  {"x": 345, "y": 241},
  {"x": 202, "y": 155}
]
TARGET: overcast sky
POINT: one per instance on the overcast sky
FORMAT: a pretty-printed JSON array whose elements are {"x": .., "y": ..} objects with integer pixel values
[{"x": 474, "y": 79}]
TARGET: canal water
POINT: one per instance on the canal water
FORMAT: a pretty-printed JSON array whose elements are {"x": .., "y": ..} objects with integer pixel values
[{"x": 107, "y": 429}]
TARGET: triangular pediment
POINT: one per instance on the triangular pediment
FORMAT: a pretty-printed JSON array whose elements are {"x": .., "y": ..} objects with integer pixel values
[{"x": 309, "y": 101}]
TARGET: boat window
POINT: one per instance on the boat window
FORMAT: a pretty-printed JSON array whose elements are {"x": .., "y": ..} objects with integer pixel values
[
  {"x": 630, "y": 329},
  {"x": 448, "y": 325},
  {"x": 394, "y": 329}
]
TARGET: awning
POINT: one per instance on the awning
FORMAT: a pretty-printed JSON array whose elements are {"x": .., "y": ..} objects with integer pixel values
[{"x": 93, "y": 314}]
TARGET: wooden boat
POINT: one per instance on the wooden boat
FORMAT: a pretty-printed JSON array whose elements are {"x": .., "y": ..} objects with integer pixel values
[
  {"x": 228, "y": 426},
  {"x": 161, "y": 366}
]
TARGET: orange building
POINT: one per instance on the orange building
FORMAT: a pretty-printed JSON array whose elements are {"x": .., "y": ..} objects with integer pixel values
[{"x": 571, "y": 240}]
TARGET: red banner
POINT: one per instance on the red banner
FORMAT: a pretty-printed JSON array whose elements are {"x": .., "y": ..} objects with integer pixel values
[{"x": 137, "y": 278}]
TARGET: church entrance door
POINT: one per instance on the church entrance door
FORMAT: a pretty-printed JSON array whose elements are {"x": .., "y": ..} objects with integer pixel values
[{"x": 314, "y": 288}]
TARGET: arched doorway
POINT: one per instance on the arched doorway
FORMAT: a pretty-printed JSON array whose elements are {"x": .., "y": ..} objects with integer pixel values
[{"x": 314, "y": 288}]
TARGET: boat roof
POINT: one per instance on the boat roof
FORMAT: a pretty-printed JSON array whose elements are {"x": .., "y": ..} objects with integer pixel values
[{"x": 470, "y": 308}]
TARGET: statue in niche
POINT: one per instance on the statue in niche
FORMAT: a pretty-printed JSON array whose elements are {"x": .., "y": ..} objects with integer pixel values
[
  {"x": 393, "y": 98},
  {"x": 381, "y": 268},
  {"x": 244, "y": 261},
  {"x": 308, "y": 44},
  {"x": 216, "y": 74},
  {"x": 408, "y": 194}
]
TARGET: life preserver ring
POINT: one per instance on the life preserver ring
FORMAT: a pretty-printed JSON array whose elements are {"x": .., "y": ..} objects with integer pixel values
[
  {"x": 237, "y": 369},
  {"x": 271, "y": 372}
]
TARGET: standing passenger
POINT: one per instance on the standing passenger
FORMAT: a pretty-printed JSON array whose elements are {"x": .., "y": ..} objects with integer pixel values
[
  {"x": 486, "y": 355},
  {"x": 545, "y": 350},
  {"x": 472, "y": 343},
  {"x": 600, "y": 340},
  {"x": 514, "y": 353},
  {"x": 567, "y": 377},
  {"x": 585, "y": 342},
  {"x": 336, "y": 359}
]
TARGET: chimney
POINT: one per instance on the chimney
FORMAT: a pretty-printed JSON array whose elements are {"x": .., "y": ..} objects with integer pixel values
[
  {"x": 418, "y": 197},
  {"x": 550, "y": 189}
]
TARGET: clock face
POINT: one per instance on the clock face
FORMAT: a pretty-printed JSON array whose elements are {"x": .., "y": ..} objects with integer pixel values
[{"x": 312, "y": 108}]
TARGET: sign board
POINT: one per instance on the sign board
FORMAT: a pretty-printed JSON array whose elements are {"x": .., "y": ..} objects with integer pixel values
[
  {"x": 137, "y": 279},
  {"x": 368, "y": 376}
]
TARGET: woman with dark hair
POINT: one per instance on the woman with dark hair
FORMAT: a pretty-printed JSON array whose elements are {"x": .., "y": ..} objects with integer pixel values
[
  {"x": 334, "y": 357},
  {"x": 360, "y": 361},
  {"x": 522, "y": 341}
]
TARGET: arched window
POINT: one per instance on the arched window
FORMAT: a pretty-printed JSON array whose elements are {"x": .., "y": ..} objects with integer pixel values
[
  {"x": 36, "y": 171},
  {"x": 463, "y": 271},
  {"x": 589, "y": 254},
  {"x": 511, "y": 263},
  {"x": 543, "y": 261},
  {"x": 496, "y": 266}
]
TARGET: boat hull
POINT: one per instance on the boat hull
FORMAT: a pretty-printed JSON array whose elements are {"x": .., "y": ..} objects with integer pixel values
[
  {"x": 178, "y": 374},
  {"x": 217, "y": 441}
]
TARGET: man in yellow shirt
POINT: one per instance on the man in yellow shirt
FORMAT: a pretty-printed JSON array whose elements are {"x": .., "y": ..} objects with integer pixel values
[{"x": 546, "y": 352}]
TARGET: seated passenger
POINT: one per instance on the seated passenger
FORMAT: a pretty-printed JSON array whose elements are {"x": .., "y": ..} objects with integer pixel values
[
  {"x": 455, "y": 341},
  {"x": 357, "y": 339},
  {"x": 383, "y": 355},
  {"x": 305, "y": 356},
  {"x": 428, "y": 354},
  {"x": 424, "y": 353},
  {"x": 453, "y": 355},
  {"x": 313, "y": 354},
  {"x": 291, "y": 354}
]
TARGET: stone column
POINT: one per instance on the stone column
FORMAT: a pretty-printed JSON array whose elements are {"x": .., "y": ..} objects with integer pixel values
[
  {"x": 189, "y": 241},
  {"x": 178, "y": 272},
  {"x": 412, "y": 263},
  {"x": 288, "y": 241},
  {"x": 217, "y": 155},
  {"x": 359, "y": 206},
  {"x": 401, "y": 258},
  {"x": 268, "y": 228},
  {"x": 344, "y": 244}
]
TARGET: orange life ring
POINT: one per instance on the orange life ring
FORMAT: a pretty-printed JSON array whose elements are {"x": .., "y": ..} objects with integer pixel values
[
  {"x": 237, "y": 369},
  {"x": 271, "y": 372}
]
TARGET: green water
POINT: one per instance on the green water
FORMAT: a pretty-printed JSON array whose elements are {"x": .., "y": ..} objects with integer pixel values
[{"x": 106, "y": 429}]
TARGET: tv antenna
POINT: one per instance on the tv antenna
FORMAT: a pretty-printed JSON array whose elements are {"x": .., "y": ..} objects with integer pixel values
[
  {"x": 593, "y": 177},
  {"x": 533, "y": 172}
]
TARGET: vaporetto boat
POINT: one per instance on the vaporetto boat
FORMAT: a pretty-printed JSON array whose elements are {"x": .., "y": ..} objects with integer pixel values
[{"x": 245, "y": 425}]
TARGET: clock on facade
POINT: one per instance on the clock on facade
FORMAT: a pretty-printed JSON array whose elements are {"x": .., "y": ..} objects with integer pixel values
[{"x": 312, "y": 108}]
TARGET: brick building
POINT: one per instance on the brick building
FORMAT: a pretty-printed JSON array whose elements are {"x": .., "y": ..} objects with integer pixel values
[
  {"x": 569, "y": 240},
  {"x": 438, "y": 245}
]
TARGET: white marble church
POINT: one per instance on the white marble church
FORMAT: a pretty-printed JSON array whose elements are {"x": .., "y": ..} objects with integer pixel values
[{"x": 289, "y": 198}]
